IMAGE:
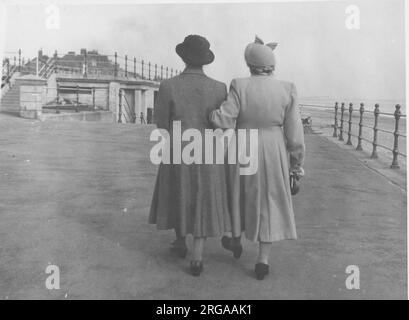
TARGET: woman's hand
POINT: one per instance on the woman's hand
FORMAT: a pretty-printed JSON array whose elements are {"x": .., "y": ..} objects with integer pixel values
[{"x": 297, "y": 172}]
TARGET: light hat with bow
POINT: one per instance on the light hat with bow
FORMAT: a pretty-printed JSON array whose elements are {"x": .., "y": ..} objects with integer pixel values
[{"x": 258, "y": 54}]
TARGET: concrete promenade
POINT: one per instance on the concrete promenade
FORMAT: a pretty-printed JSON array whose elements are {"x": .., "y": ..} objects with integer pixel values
[{"x": 77, "y": 195}]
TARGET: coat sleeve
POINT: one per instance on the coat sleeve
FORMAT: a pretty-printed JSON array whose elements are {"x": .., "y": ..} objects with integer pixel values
[
  {"x": 225, "y": 116},
  {"x": 294, "y": 132},
  {"x": 162, "y": 106}
]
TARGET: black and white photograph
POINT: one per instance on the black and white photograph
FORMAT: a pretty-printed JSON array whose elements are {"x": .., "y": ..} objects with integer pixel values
[{"x": 208, "y": 151}]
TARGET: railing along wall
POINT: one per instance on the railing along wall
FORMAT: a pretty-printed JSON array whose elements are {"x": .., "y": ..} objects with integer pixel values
[
  {"x": 343, "y": 127},
  {"x": 116, "y": 66},
  {"x": 16, "y": 62},
  {"x": 86, "y": 65},
  {"x": 125, "y": 113},
  {"x": 12, "y": 62}
]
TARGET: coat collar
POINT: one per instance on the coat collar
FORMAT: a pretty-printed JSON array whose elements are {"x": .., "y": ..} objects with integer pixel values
[{"x": 194, "y": 71}]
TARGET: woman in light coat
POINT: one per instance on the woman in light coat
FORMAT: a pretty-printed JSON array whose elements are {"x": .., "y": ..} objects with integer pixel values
[{"x": 262, "y": 201}]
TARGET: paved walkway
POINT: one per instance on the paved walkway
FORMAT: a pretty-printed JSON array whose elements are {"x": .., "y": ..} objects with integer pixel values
[{"x": 77, "y": 195}]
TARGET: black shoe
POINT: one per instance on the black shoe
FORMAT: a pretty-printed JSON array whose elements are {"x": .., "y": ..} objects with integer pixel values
[
  {"x": 179, "y": 248},
  {"x": 196, "y": 267},
  {"x": 232, "y": 245},
  {"x": 226, "y": 242},
  {"x": 261, "y": 270}
]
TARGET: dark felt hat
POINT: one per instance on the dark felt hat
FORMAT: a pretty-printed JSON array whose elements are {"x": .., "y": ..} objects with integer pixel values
[{"x": 194, "y": 50}]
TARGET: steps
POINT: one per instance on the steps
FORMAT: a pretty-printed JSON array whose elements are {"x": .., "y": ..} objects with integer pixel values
[{"x": 11, "y": 100}]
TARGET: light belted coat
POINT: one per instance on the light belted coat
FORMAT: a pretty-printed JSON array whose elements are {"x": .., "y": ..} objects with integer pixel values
[
  {"x": 190, "y": 197},
  {"x": 261, "y": 203}
]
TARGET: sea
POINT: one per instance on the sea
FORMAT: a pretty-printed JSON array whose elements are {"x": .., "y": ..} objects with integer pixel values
[{"x": 385, "y": 105}]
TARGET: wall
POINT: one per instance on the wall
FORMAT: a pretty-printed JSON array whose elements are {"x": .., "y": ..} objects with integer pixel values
[{"x": 100, "y": 116}]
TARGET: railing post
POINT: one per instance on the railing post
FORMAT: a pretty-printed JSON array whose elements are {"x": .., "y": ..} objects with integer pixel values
[
  {"x": 93, "y": 97},
  {"x": 171, "y": 73},
  {"x": 120, "y": 107},
  {"x": 149, "y": 70},
  {"x": 375, "y": 133},
  {"x": 349, "y": 142},
  {"x": 361, "y": 116},
  {"x": 335, "y": 121},
  {"x": 58, "y": 99},
  {"x": 19, "y": 59},
  {"x": 115, "y": 65},
  {"x": 161, "y": 72},
  {"x": 156, "y": 71},
  {"x": 341, "y": 128},
  {"x": 37, "y": 63},
  {"x": 397, "y": 114},
  {"x": 14, "y": 61},
  {"x": 78, "y": 98},
  {"x": 134, "y": 67},
  {"x": 85, "y": 75},
  {"x": 167, "y": 72},
  {"x": 126, "y": 66},
  {"x": 142, "y": 69},
  {"x": 55, "y": 61}
]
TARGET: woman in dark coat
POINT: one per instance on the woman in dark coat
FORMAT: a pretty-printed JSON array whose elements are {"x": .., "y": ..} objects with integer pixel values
[{"x": 190, "y": 198}]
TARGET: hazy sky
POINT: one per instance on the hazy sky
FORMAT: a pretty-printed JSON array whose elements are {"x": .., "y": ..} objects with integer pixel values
[{"x": 316, "y": 50}]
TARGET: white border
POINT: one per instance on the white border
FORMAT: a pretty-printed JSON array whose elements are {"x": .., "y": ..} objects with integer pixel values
[
  {"x": 407, "y": 143},
  {"x": 3, "y": 8}
]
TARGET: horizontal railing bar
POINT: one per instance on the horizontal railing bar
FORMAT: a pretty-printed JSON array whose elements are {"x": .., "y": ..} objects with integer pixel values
[
  {"x": 370, "y": 141},
  {"x": 385, "y": 147},
  {"x": 352, "y": 134},
  {"x": 383, "y": 130},
  {"x": 346, "y": 131},
  {"x": 379, "y": 129},
  {"x": 378, "y": 145},
  {"x": 69, "y": 89},
  {"x": 391, "y": 115},
  {"x": 386, "y": 113},
  {"x": 346, "y": 116},
  {"x": 315, "y": 106}
]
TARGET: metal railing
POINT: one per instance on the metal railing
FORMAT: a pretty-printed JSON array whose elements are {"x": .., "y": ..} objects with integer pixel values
[
  {"x": 114, "y": 66},
  {"x": 147, "y": 70},
  {"x": 47, "y": 68},
  {"x": 86, "y": 65},
  {"x": 126, "y": 114},
  {"x": 7, "y": 72},
  {"x": 15, "y": 62},
  {"x": 344, "y": 125},
  {"x": 12, "y": 62}
]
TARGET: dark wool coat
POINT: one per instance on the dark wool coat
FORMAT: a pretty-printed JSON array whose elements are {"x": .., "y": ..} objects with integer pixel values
[{"x": 190, "y": 197}]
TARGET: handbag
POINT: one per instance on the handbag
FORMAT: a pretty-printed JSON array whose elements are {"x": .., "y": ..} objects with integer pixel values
[
  {"x": 294, "y": 184},
  {"x": 295, "y": 177}
]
